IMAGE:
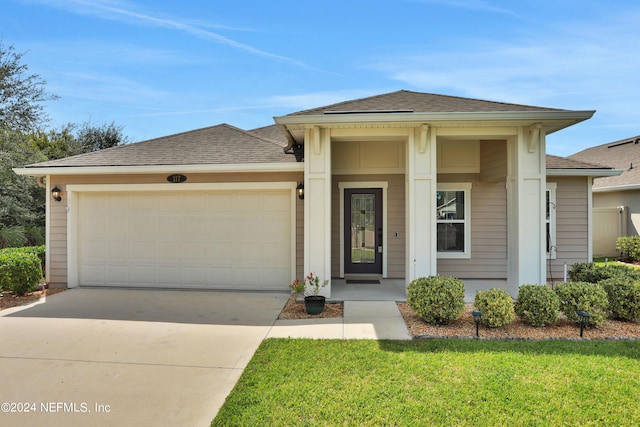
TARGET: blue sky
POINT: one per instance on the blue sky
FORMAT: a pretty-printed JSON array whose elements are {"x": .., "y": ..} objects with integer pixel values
[{"x": 159, "y": 67}]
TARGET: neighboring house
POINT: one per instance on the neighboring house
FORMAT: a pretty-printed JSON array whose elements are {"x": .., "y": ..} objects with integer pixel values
[
  {"x": 400, "y": 185},
  {"x": 616, "y": 199}
]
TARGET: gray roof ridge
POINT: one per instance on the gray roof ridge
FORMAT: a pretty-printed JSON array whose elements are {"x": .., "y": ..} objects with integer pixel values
[
  {"x": 350, "y": 100},
  {"x": 136, "y": 143},
  {"x": 272, "y": 141},
  {"x": 480, "y": 100},
  {"x": 250, "y": 133},
  {"x": 424, "y": 93}
]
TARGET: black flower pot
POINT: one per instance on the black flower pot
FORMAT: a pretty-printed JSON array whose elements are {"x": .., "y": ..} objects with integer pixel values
[{"x": 314, "y": 304}]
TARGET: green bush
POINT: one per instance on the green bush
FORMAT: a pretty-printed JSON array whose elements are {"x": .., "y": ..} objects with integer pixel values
[
  {"x": 538, "y": 304},
  {"x": 496, "y": 306},
  {"x": 39, "y": 251},
  {"x": 20, "y": 270},
  {"x": 583, "y": 296},
  {"x": 436, "y": 299},
  {"x": 592, "y": 273},
  {"x": 623, "y": 294},
  {"x": 629, "y": 248}
]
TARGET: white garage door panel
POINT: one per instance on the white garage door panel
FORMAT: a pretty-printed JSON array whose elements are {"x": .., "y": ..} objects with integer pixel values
[{"x": 185, "y": 239}]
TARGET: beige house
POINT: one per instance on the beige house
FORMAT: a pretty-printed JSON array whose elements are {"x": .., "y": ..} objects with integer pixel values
[
  {"x": 616, "y": 199},
  {"x": 400, "y": 185}
]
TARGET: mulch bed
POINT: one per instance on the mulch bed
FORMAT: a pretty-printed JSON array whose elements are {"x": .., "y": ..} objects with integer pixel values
[
  {"x": 295, "y": 310},
  {"x": 9, "y": 299},
  {"x": 465, "y": 327}
]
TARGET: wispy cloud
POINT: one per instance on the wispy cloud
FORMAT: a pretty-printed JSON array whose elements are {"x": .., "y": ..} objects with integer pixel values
[
  {"x": 120, "y": 11},
  {"x": 106, "y": 88},
  {"x": 479, "y": 5},
  {"x": 542, "y": 69}
]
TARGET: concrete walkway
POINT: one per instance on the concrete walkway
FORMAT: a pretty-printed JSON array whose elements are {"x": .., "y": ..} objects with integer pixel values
[{"x": 362, "y": 320}]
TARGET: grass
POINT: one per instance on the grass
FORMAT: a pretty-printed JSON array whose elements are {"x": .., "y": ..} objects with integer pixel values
[
  {"x": 437, "y": 382},
  {"x": 603, "y": 261}
]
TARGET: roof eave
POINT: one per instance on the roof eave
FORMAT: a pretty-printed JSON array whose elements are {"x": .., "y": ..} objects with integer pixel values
[
  {"x": 118, "y": 170},
  {"x": 595, "y": 173},
  {"x": 627, "y": 187},
  {"x": 569, "y": 116}
]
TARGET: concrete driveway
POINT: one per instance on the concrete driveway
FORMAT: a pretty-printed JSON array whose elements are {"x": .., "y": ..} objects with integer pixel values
[{"x": 128, "y": 357}]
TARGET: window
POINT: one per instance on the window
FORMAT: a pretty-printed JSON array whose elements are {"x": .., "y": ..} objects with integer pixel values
[
  {"x": 551, "y": 219},
  {"x": 453, "y": 220}
]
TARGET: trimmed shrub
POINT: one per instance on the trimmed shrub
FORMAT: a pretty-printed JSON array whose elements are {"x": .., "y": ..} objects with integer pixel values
[
  {"x": 20, "y": 270},
  {"x": 629, "y": 248},
  {"x": 538, "y": 304},
  {"x": 583, "y": 296},
  {"x": 623, "y": 294},
  {"x": 592, "y": 273},
  {"x": 39, "y": 251},
  {"x": 436, "y": 299},
  {"x": 496, "y": 306}
]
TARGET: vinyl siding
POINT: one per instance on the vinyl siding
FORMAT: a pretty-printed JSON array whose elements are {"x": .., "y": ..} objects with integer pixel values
[
  {"x": 493, "y": 161},
  {"x": 572, "y": 225},
  {"x": 489, "y": 259},
  {"x": 488, "y": 235}
]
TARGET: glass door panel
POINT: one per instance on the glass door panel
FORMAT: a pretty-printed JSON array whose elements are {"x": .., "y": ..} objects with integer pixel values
[{"x": 363, "y": 217}]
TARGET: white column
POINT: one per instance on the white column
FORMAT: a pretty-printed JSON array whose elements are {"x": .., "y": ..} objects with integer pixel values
[
  {"x": 526, "y": 196},
  {"x": 420, "y": 199},
  {"x": 317, "y": 205}
]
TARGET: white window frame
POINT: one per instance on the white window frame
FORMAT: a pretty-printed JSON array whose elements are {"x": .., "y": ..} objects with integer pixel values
[
  {"x": 552, "y": 189},
  {"x": 466, "y": 188}
]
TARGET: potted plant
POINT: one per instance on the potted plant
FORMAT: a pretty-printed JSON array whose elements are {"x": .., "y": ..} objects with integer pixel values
[{"x": 310, "y": 287}]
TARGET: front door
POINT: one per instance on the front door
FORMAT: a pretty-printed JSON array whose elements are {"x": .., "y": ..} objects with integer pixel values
[{"x": 363, "y": 231}]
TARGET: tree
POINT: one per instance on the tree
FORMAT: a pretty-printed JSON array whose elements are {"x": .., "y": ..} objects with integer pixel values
[
  {"x": 95, "y": 138},
  {"x": 21, "y": 199},
  {"x": 21, "y": 94},
  {"x": 56, "y": 143},
  {"x": 22, "y": 142}
]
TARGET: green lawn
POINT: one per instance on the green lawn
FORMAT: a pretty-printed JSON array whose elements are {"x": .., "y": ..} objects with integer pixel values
[{"x": 437, "y": 382}]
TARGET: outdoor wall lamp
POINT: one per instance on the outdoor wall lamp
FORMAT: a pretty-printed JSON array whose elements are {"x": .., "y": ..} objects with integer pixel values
[
  {"x": 476, "y": 317},
  {"x": 56, "y": 194},
  {"x": 300, "y": 189},
  {"x": 584, "y": 317}
]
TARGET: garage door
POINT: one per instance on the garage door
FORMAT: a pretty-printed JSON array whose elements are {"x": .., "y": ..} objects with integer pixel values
[{"x": 205, "y": 239}]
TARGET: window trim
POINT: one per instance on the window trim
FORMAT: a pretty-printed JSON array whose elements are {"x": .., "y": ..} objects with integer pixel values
[
  {"x": 466, "y": 188},
  {"x": 552, "y": 190}
]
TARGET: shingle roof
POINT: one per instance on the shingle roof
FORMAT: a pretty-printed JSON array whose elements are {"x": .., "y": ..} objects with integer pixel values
[
  {"x": 271, "y": 133},
  {"x": 623, "y": 154},
  {"x": 556, "y": 162},
  {"x": 221, "y": 144},
  {"x": 418, "y": 102}
]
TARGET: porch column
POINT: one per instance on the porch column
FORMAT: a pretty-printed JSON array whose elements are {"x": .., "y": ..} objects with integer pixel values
[
  {"x": 420, "y": 199},
  {"x": 317, "y": 204},
  {"x": 526, "y": 198}
]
